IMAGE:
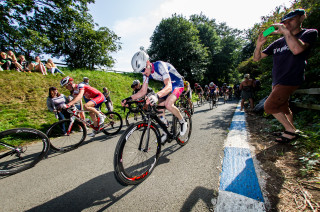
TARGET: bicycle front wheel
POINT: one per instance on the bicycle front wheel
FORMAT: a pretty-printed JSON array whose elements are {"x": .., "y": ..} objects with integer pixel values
[
  {"x": 21, "y": 149},
  {"x": 112, "y": 123},
  {"x": 62, "y": 141},
  {"x": 137, "y": 153}
]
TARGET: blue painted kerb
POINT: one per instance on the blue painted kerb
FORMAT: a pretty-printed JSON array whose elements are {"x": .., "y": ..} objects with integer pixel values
[{"x": 238, "y": 173}]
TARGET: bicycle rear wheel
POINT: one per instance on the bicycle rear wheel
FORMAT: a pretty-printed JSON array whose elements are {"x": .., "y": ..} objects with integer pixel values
[
  {"x": 135, "y": 158},
  {"x": 183, "y": 140},
  {"x": 21, "y": 149},
  {"x": 62, "y": 141},
  {"x": 112, "y": 123}
]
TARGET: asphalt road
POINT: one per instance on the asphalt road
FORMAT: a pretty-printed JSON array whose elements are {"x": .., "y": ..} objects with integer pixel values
[{"x": 185, "y": 179}]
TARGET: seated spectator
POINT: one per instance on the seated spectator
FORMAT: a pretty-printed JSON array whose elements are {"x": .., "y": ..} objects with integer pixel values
[
  {"x": 24, "y": 64},
  {"x": 4, "y": 61},
  {"x": 56, "y": 103},
  {"x": 108, "y": 102},
  {"x": 37, "y": 65},
  {"x": 14, "y": 62},
  {"x": 52, "y": 67}
]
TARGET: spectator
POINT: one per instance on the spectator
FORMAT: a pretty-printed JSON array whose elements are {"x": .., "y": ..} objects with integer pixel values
[
  {"x": 289, "y": 59},
  {"x": 14, "y": 62},
  {"x": 108, "y": 102},
  {"x": 136, "y": 86},
  {"x": 85, "y": 81},
  {"x": 246, "y": 88},
  {"x": 55, "y": 103},
  {"x": 52, "y": 67},
  {"x": 37, "y": 65},
  {"x": 24, "y": 64},
  {"x": 4, "y": 61}
]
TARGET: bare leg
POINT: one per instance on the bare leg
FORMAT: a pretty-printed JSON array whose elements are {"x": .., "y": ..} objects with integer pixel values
[
  {"x": 282, "y": 118},
  {"x": 169, "y": 103},
  {"x": 242, "y": 104}
]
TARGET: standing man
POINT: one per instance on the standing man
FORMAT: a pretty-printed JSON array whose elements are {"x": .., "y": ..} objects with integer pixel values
[
  {"x": 289, "y": 59},
  {"x": 85, "y": 81}
]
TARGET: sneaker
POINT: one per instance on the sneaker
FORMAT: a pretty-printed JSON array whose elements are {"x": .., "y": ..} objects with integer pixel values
[
  {"x": 93, "y": 134},
  {"x": 183, "y": 128},
  {"x": 164, "y": 138},
  {"x": 101, "y": 118}
]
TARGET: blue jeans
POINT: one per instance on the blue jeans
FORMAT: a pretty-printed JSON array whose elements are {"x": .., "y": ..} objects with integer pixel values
[
  {"x": 63, "y": 115},
  {"x": 55, "y": 70}
]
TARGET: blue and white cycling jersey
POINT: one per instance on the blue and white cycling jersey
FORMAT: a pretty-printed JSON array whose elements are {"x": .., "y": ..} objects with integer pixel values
[{"x": 162, "y": 71}]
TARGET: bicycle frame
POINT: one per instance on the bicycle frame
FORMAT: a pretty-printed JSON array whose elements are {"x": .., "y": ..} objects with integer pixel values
[{"x": 75, "y": 116}]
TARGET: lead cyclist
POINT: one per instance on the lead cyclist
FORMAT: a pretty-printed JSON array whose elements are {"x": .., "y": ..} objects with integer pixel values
[{"x": 173, "y": 84}]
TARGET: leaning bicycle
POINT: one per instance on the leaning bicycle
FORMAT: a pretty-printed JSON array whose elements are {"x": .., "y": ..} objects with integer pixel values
[
  {"x": 68, "y": 134},
  {"x": 139, "y": 147},
  {"x": 21, "y": 149}
]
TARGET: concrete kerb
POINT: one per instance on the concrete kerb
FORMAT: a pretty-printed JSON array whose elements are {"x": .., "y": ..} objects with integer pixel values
[{"x": 240, "y": 183}]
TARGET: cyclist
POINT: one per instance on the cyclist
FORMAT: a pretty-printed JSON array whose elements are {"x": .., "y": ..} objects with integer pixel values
[
  {"x": 212, "y": 90},
  {"x": 206, "y": 92},
  {"x": 198, "y": 89},
  {"x": 172, "y": 80},
  {"x": 224, "y": 89},
  {"x": 136, "y": 86},
  {"x": 187, "y": 92},
  {"x": 95, "y": 97}
]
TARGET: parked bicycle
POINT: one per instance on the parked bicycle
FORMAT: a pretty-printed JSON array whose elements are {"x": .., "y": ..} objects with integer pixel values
[
  {"x": 139, "y": 147},
  {"x": 21, "y": 149},
  {"x": 77, "y": 129}
]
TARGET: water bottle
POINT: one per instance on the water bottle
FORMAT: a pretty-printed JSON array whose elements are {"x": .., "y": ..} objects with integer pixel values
[{"x": 164, "y": 120}]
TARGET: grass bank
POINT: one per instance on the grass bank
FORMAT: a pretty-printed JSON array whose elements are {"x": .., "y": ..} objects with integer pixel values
[{"x": 23, "y": 95}]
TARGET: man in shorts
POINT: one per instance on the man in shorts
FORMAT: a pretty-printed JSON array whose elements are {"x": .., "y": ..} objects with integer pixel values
[
  {"x": 95, "y": 97},
  {"x": 289, "y": 59},
  {"x": 173, "y": 85}
]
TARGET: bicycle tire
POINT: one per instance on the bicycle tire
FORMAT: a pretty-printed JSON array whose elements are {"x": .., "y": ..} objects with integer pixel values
[
  {"x": 127, "y": 118},
  {"x": 183, "y": 140},
  {"x": 210, "y": 103},
  {"x": 113, "y": 123},
  {"x": 61, "y": 142},
  {"x": 27, "y": 152},
  {"x": 131, "y": 164}
]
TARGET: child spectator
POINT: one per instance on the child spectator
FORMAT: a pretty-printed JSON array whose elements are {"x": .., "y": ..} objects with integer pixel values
[
  {"x": 4, "y": 61},
  {"x": 14, "y": 63},
  {"x": 52, "y": 67},
  {"x": 24, "y": 64}
]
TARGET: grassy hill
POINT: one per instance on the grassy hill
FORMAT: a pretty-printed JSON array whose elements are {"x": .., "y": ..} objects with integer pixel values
[{"x": 23, "y": 95}]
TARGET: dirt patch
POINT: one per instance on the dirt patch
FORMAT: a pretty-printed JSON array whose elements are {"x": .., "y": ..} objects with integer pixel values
[{"x": 285, "y": 188}]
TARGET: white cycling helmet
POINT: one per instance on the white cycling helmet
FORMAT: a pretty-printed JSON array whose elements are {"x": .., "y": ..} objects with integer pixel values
[
  {"x": 139, "y": 61},
  {"x": 65, "y": 81},
  {"x": 211, "y": 84}
]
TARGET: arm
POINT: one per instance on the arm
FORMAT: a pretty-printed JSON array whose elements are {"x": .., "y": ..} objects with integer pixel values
[
  {"x": 50, "y": 105},
  {"x": 295, "y": 45},
  {"x": 167, "y": 88},
  {"x": 142, "y": 92},
  {"x": 78, "y": 98},
  {"x": 258, "y": 54}
]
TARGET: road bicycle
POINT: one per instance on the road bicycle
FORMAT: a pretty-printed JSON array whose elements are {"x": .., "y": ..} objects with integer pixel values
[
  {"x": 225, "y": 96},
  {"x": 21, "y": 149},
  {"x": 76, "y": 129},
  {"x": 199, "y": 99},
  {"x": 183, "y": 102},
  {"x": 138, "y": 115},
  {"x": 212, "y": 101},
  {"x": 139, "y": 147}
]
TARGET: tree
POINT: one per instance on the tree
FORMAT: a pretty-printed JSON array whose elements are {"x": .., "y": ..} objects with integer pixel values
[
  {"x": 33, "y": 27},
  {"x": 176, "y": 41}
]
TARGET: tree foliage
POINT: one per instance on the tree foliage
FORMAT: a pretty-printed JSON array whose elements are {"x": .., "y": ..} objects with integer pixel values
[{"x": 61, "y": 28}]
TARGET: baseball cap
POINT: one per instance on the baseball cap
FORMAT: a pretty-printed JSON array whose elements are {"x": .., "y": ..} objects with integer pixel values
[
  {"x": 134, "y": 83},
  {"x": 293, "y": 14}
]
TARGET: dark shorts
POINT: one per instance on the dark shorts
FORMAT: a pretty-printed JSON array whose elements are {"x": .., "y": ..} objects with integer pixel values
[{"x": 278, "y": 100}]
